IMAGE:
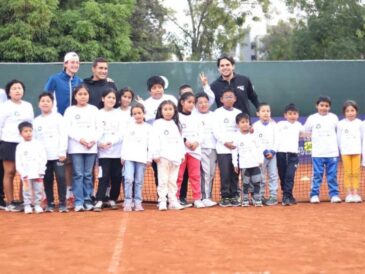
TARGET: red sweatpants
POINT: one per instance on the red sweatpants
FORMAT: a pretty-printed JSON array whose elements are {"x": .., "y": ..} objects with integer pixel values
[{"x": 193, "y": 166}]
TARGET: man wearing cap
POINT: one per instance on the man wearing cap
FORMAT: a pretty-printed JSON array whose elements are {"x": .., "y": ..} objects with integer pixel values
[
  {"x": 62, "y": 83},
  {"x": 99, "y": 81}
]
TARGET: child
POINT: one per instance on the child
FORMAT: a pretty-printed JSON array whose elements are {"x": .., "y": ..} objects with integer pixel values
[
  {"x": 135, "y": 156},
  {"x": 265, "y": 131},
  {"x": 325, "y": 154},
  {"x": 49, "y": 129},
  {"x": 81, "y": 123},
  {"x": 109, "y": 125},
  {"x": 168, "y": 152},
  {"x": 349, "y": 131},
  {"x": 247, "y": 159},
  {"x": 12, "y": 113},
  {"x": 126, "y": 98},
  {"x": 289, "y": 132},
  {"x": 224, "y": 131},
  {"x": 155, "y": 85},
  {"x": 208, "y": 151},
  {"x": 190, "y": 129},
  {"x": 31, "y": 162}
]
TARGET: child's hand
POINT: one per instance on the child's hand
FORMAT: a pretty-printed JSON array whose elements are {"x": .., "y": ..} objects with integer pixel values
[
  {"x": 194, "y": 145},
  {"x": 229, "y": 145},
  {"x": 251, "y": 130},
  {"x": 157, "y": 160},
  {"x": 90, "y": 144},
  {"x": 203, "y": 79},
  {"x": 138, "y": 99},
  {"x": 83, "y": 142},
  {"x": 61, "y": 159},
  {"x": 122, "y": 161},
  {"x": 236, "y": 169},
  {"x": 268, "y": 156}
]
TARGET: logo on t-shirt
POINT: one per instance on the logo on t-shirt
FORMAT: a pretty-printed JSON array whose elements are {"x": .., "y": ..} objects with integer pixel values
[
  {"x": 260, "y": 135},
  {"x": 346, "y": 131},
  {"x": 104, "y": 123},
  {"x": 318, "y": 126},
  {"x": 183, "y": 125},
  {"x": 39, "y": 128},
  {"x": 16, "y": 113},
  {"x": 226, "y": 121},
  {"x": 77, "y": 116},
  {"x": 242, "y": 144},
  {"x": 25, "y": 153},
  {"x": 166, "y": 132},
  {"x": 132, "y": 133}
]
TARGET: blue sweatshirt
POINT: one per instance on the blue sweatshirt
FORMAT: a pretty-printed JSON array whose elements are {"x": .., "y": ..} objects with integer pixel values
[{"x": 62, "y": 85}]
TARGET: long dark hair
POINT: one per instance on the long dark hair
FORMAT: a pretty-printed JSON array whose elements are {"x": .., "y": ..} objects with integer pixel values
[
  {"x": 175, "y": 118},
  {"x": 183, "y": 98},
  {"x": 105, "y": 93},
  {"x": 76, "y": 90}
]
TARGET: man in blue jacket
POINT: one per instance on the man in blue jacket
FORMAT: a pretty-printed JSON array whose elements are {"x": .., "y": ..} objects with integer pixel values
[{"x": 62, "y": 83}]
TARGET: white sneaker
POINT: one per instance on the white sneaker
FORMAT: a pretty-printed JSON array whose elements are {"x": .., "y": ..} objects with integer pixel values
[
  {"x": 162, "y": 206},
  {"x": 38, "y": 209},
  {"x": 113, "y": 204},
  {"x": 209, "y": 203},
  {"x": 175, "y": 206},
  {"x": 356, "y": 198},
  {"x": 349, "y": 198},
  {"x": 314, "y": 199},
  {"x": 198, "y": 204},
  {"x": 335, "y": 199},
  {"x": 98, "y": 207},
  {"x": 28, "y": 209},
  {"x": 79, "y": 208}
]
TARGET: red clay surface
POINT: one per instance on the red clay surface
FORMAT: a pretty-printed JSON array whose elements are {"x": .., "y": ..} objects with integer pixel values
[{"x": 324, "y": 238}]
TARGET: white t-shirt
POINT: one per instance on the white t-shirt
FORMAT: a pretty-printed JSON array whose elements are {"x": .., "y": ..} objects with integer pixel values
[
  {"x": 191, "y": 131},
  {"x": 224, "y": 128},
  {"x": 349, "y": 136},
  {"x": 247, "y": 153},
  {"x": 324, "y": 137},
  {"x": 288, "y": 136},
  {"x": 266, "y": 134},
  {"x": 3, "y": 96},
  {"x": 207, "y": 121},
  {"x": 151, "y": 105}
]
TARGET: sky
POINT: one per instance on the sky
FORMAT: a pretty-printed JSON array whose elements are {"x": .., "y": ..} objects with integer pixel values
[{"x": 278, "y": 11}]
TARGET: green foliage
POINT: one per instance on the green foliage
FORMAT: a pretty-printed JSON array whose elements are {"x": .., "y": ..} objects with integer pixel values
[
  {"x": 216, "y": 26},
  {"x": 331, "y": 29}
]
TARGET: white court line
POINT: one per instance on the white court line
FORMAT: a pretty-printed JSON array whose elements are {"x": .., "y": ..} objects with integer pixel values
[{"x": 116, "y": 259}]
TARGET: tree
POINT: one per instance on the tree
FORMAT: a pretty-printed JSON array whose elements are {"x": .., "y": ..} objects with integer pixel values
[
  {"x": 94, "y": 29},
  {"x": 332, "y": 29},
  {"x": 277, "y": 44},
  {"x": 25, "y": 30},
  {"x": 215, "y": 26},
  {"x": 147, "y": 32}
]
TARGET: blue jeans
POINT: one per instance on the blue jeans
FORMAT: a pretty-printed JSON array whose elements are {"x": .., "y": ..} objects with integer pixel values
[
  {"x": 82, "y": 177},
  {"x": 133, "y": 172},
  {"x": 269, "y": 168},
  {"x": 319, "y": 165}
]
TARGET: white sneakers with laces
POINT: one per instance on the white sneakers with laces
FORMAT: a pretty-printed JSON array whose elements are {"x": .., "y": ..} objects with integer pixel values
[
  {"x": 336, "y": 199},
  {"x": 209, "y": 202},
  {"x": 314, "y": 200}
]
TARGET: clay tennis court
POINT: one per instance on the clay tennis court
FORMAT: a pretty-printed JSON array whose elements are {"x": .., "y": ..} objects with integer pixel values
[{"x": 324, "y": 238}]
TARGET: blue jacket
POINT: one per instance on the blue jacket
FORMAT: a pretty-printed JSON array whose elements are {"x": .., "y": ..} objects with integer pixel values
[{"x": 62, "y": 85}]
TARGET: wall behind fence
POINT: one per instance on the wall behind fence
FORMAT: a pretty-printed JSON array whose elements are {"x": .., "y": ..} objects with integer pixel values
[{"x": 277, "y": 83}]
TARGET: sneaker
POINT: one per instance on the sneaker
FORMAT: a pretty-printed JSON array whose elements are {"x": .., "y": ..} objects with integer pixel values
[
  {"x": 271, "y": 201},
  {"x": 199, "y": 204},
  {"x": 245, "y": 202},
  {"x": 13, "y": 208},
  {"x": 314, "y": 200},
  {"x": 335, "y": 199},
  {"x": 62, "y": 209},
  {"x": 263, "y": 199},
  {"x": 175, "y": 206},
  {"x": 258, "y": 203},
  {"x": 185, "y": 203},
  {"x": 113, "y": 204},
  {"x": 357, "y": 198},
  {"x": 286, "y": 201},
  {"x": 2, "y": 204},
  {"x": 209, "y": 203},
  {"x": 225, "y": 202},
  {"x": 28, "y": 209},
  {"x": 293, "y": 201},
  {"x": 98, "y": 207},
  {"x": 88, "y": 206},
  {"x": 38, "y": 209},
  {"x": 162, "y": 206},
  {"x": 50, "y": 208},
  {"x": 79, "y": 208},
  {"x": 349, "y": 198},
  {"x": 234, "y": 202},
  {"x": 138, "y": 207},
  {"x": 127, "y": 208}
]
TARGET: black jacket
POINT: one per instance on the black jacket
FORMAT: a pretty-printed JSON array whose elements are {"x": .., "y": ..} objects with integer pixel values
[
  {"x": 96, "y": 89},
  {"x": 242, "y": 86}
]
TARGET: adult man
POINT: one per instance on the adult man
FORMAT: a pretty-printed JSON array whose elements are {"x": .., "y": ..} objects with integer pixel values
[
  {"x": 62, "y": 83},
  {"x": 99, "y": 81},
  {"x": 240, "y": 84}
]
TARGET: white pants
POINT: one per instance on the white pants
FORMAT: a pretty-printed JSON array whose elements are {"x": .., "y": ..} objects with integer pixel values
[
  {"x": 33, "y": 190},
  {"x": 167, "y": 180}
]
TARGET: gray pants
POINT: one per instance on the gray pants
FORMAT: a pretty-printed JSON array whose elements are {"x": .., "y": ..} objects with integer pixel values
[
  {"x": 207, "y": 170},
  {"x": 33, "y": 189},
  {"x": 269, "y": 168},
  {"x": 251, "y": 178}
]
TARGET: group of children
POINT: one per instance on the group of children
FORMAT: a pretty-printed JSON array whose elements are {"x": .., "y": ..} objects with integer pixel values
[{"x": 175, "y": 137}]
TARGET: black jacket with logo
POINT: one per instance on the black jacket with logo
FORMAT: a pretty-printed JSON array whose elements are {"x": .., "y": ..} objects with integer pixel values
[
  {"x": 242, "y": 86},
  {"x": 96, "y": 89}
]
